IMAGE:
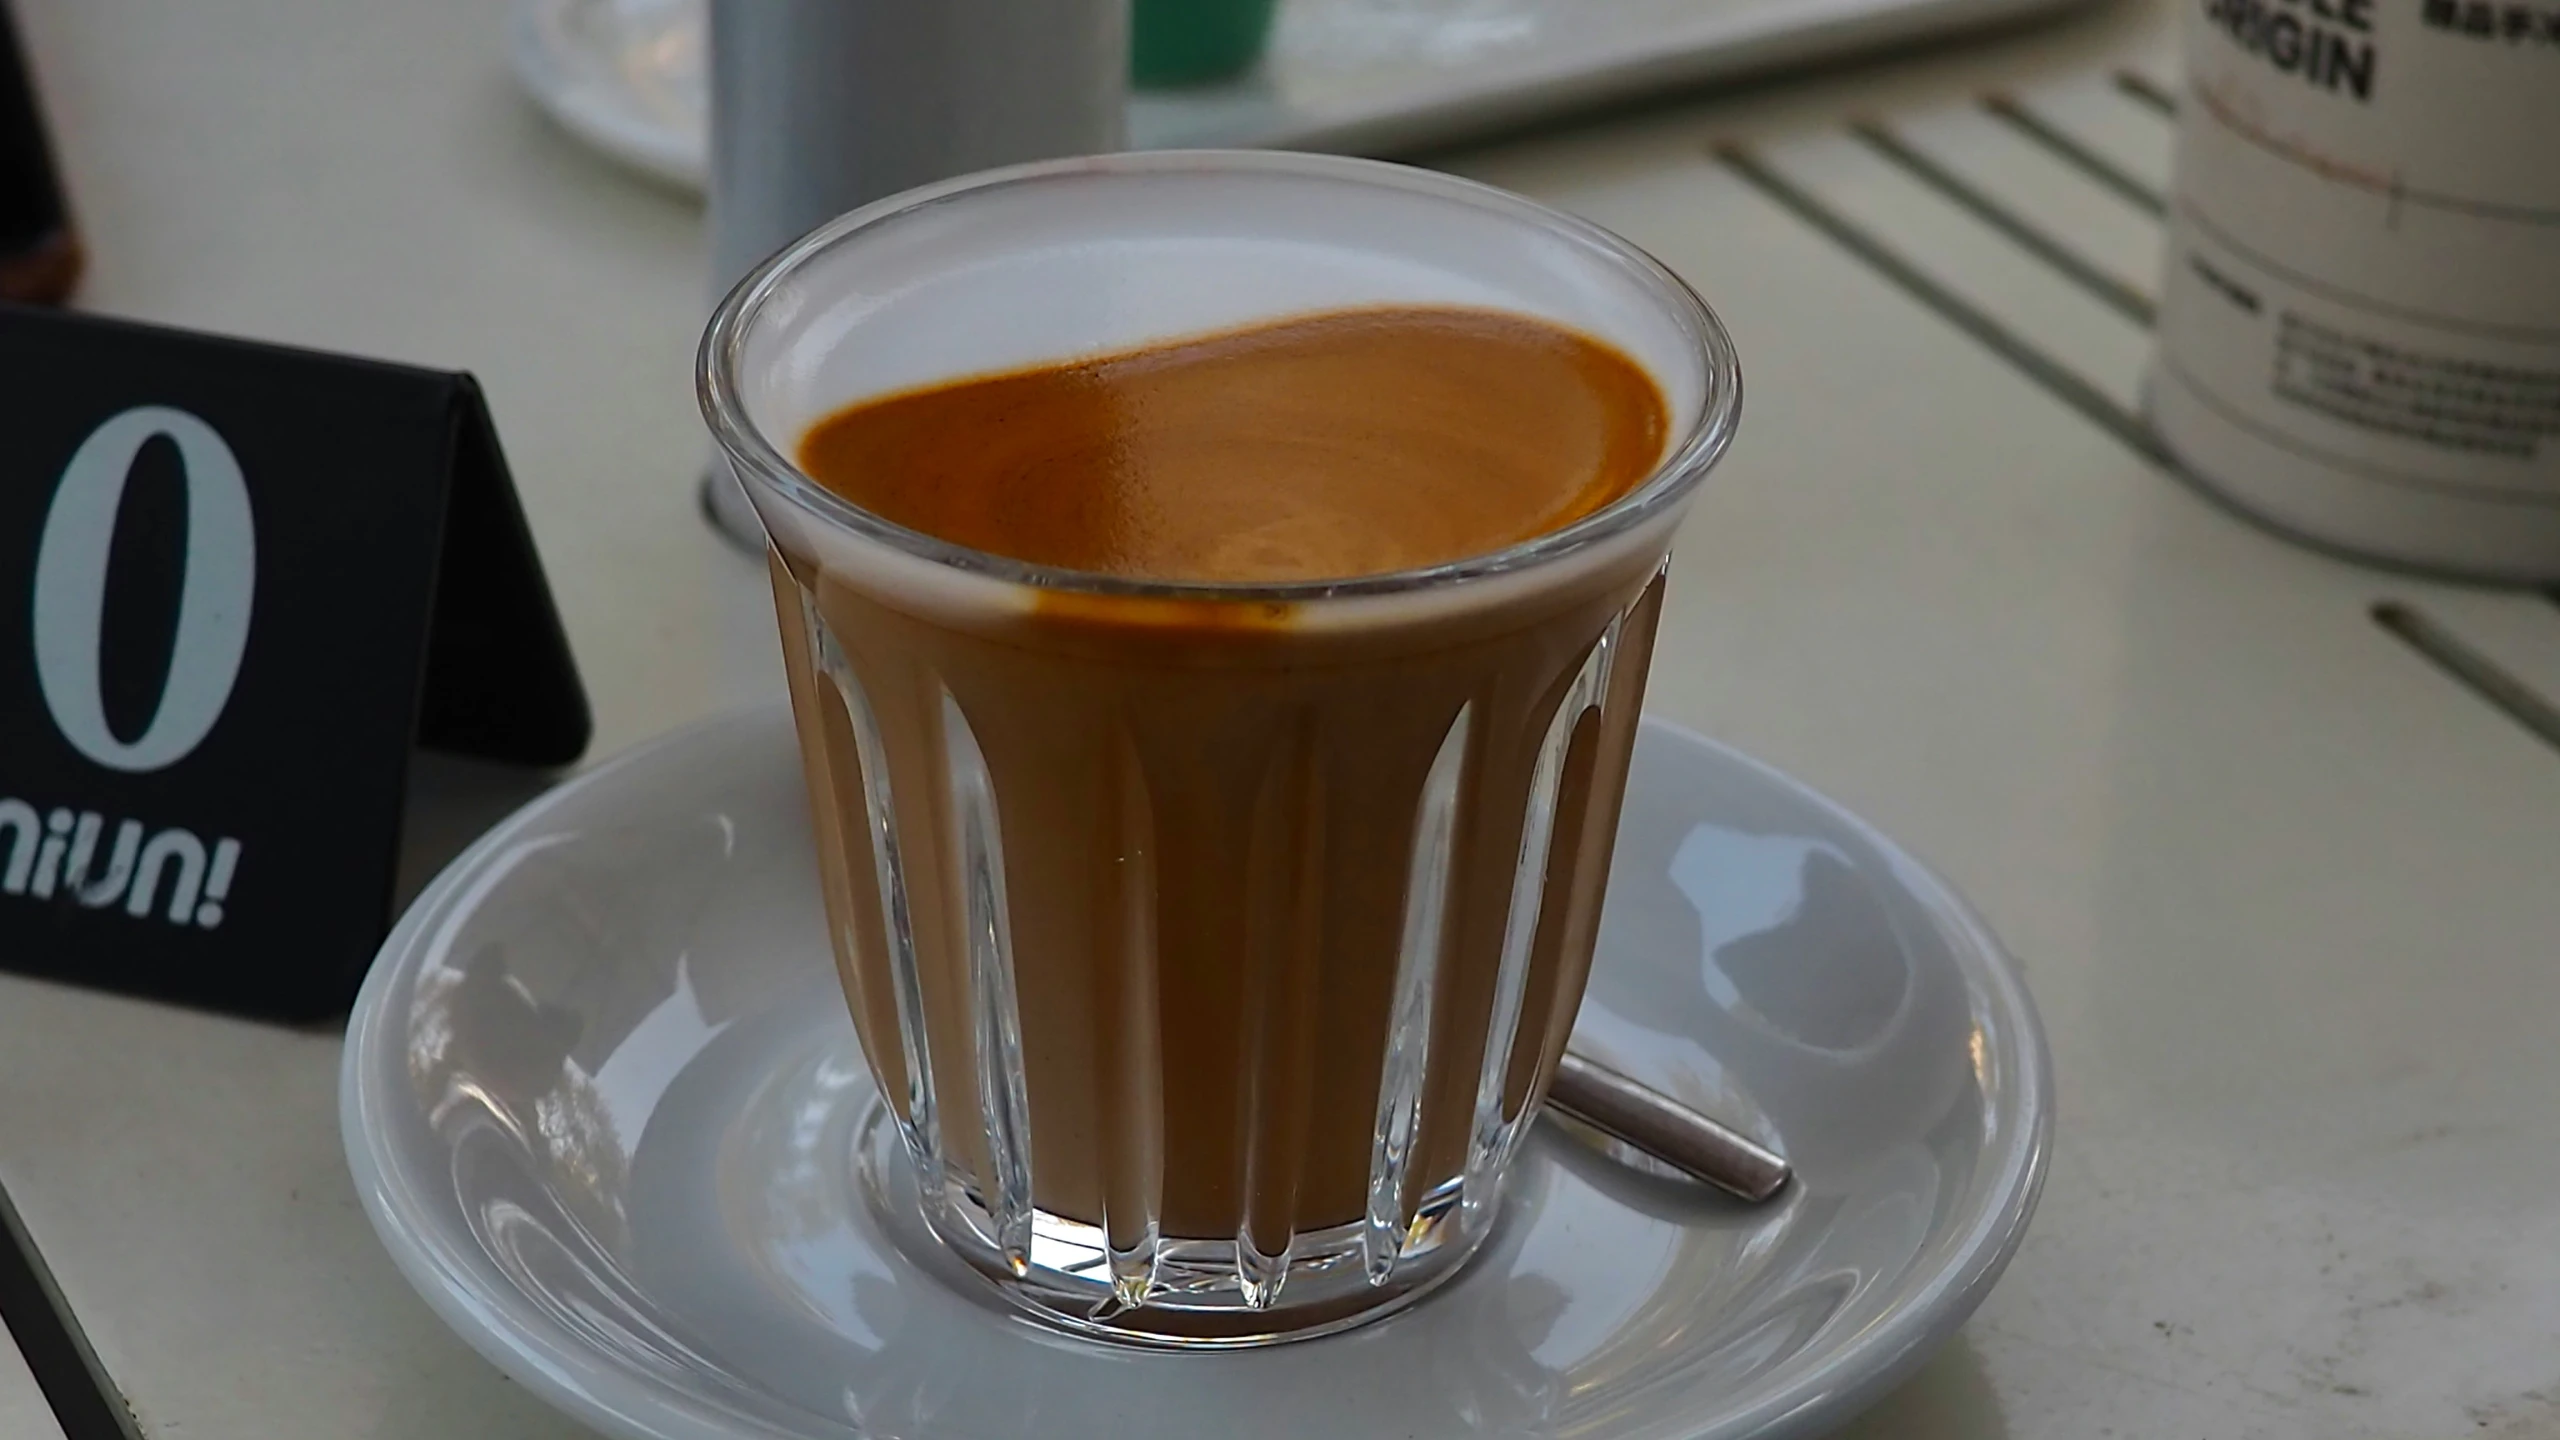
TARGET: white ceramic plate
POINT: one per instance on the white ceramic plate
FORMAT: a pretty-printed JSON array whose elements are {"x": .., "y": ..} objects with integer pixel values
[
  {"x": 1373, "y": 77},
  {"x": 601, "y": 1100}
]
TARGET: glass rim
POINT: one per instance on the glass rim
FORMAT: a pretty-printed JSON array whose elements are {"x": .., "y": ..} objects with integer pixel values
[{"x": 1684, "y": 463}]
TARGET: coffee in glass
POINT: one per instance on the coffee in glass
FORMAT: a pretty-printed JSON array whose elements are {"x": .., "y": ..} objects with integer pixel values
[{"x": 1216, "y": 593}]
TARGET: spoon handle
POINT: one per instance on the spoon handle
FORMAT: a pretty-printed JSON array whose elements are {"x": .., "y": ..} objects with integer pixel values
[{"x": 1640, "y": 1116}]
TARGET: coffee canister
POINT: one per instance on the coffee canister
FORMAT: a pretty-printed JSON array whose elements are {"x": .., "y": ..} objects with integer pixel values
[{"x": 2360, "y": 324}]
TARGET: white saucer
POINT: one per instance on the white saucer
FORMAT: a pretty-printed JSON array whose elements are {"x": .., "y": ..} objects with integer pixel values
[
  {"x": 1364, "y": 76},
  {"x": 601, "y": 1100}
]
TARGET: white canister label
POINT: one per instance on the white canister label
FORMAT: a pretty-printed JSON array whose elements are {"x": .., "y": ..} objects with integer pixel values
[{"x": 2360, "y": 321}]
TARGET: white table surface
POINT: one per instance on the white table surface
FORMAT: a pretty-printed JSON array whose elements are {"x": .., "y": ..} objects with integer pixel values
[{"x": 2284, "y": 891}]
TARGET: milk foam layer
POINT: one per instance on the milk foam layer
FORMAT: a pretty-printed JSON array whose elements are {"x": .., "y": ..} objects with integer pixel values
[{"x": 1068, "y": 265}]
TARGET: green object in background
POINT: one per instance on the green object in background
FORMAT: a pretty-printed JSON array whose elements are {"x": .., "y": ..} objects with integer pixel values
[{"x": 1189, "y": 42}]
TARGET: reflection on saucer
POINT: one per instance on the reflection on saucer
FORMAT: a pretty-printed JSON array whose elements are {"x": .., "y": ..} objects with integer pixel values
[{"x": 1796, "y": 942}]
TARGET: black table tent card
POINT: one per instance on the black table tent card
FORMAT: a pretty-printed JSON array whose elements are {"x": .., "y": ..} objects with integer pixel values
[{"x": 238, "y": 584}]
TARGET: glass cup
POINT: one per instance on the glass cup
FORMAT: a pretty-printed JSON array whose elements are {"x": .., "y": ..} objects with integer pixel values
[{"x": 1212, "y": 944}]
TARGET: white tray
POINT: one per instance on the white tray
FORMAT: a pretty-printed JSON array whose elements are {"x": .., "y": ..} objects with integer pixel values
[{"x": 1364, "y": 76}]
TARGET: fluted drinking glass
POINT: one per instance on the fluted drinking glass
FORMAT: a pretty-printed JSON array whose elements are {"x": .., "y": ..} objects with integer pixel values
[{"x": 1211, "y": 944}]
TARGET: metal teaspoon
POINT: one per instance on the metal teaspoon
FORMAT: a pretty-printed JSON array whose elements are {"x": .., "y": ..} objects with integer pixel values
[{"x": 1666, "y": 1130}]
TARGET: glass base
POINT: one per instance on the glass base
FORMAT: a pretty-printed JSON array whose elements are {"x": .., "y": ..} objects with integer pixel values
[{"x": 1177, "y": 1293}]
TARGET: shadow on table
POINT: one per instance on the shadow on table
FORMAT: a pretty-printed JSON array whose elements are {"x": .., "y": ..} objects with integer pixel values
[
  {"x": 452, "y": 802},
  {"x": 1950, "y": 1399}
]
